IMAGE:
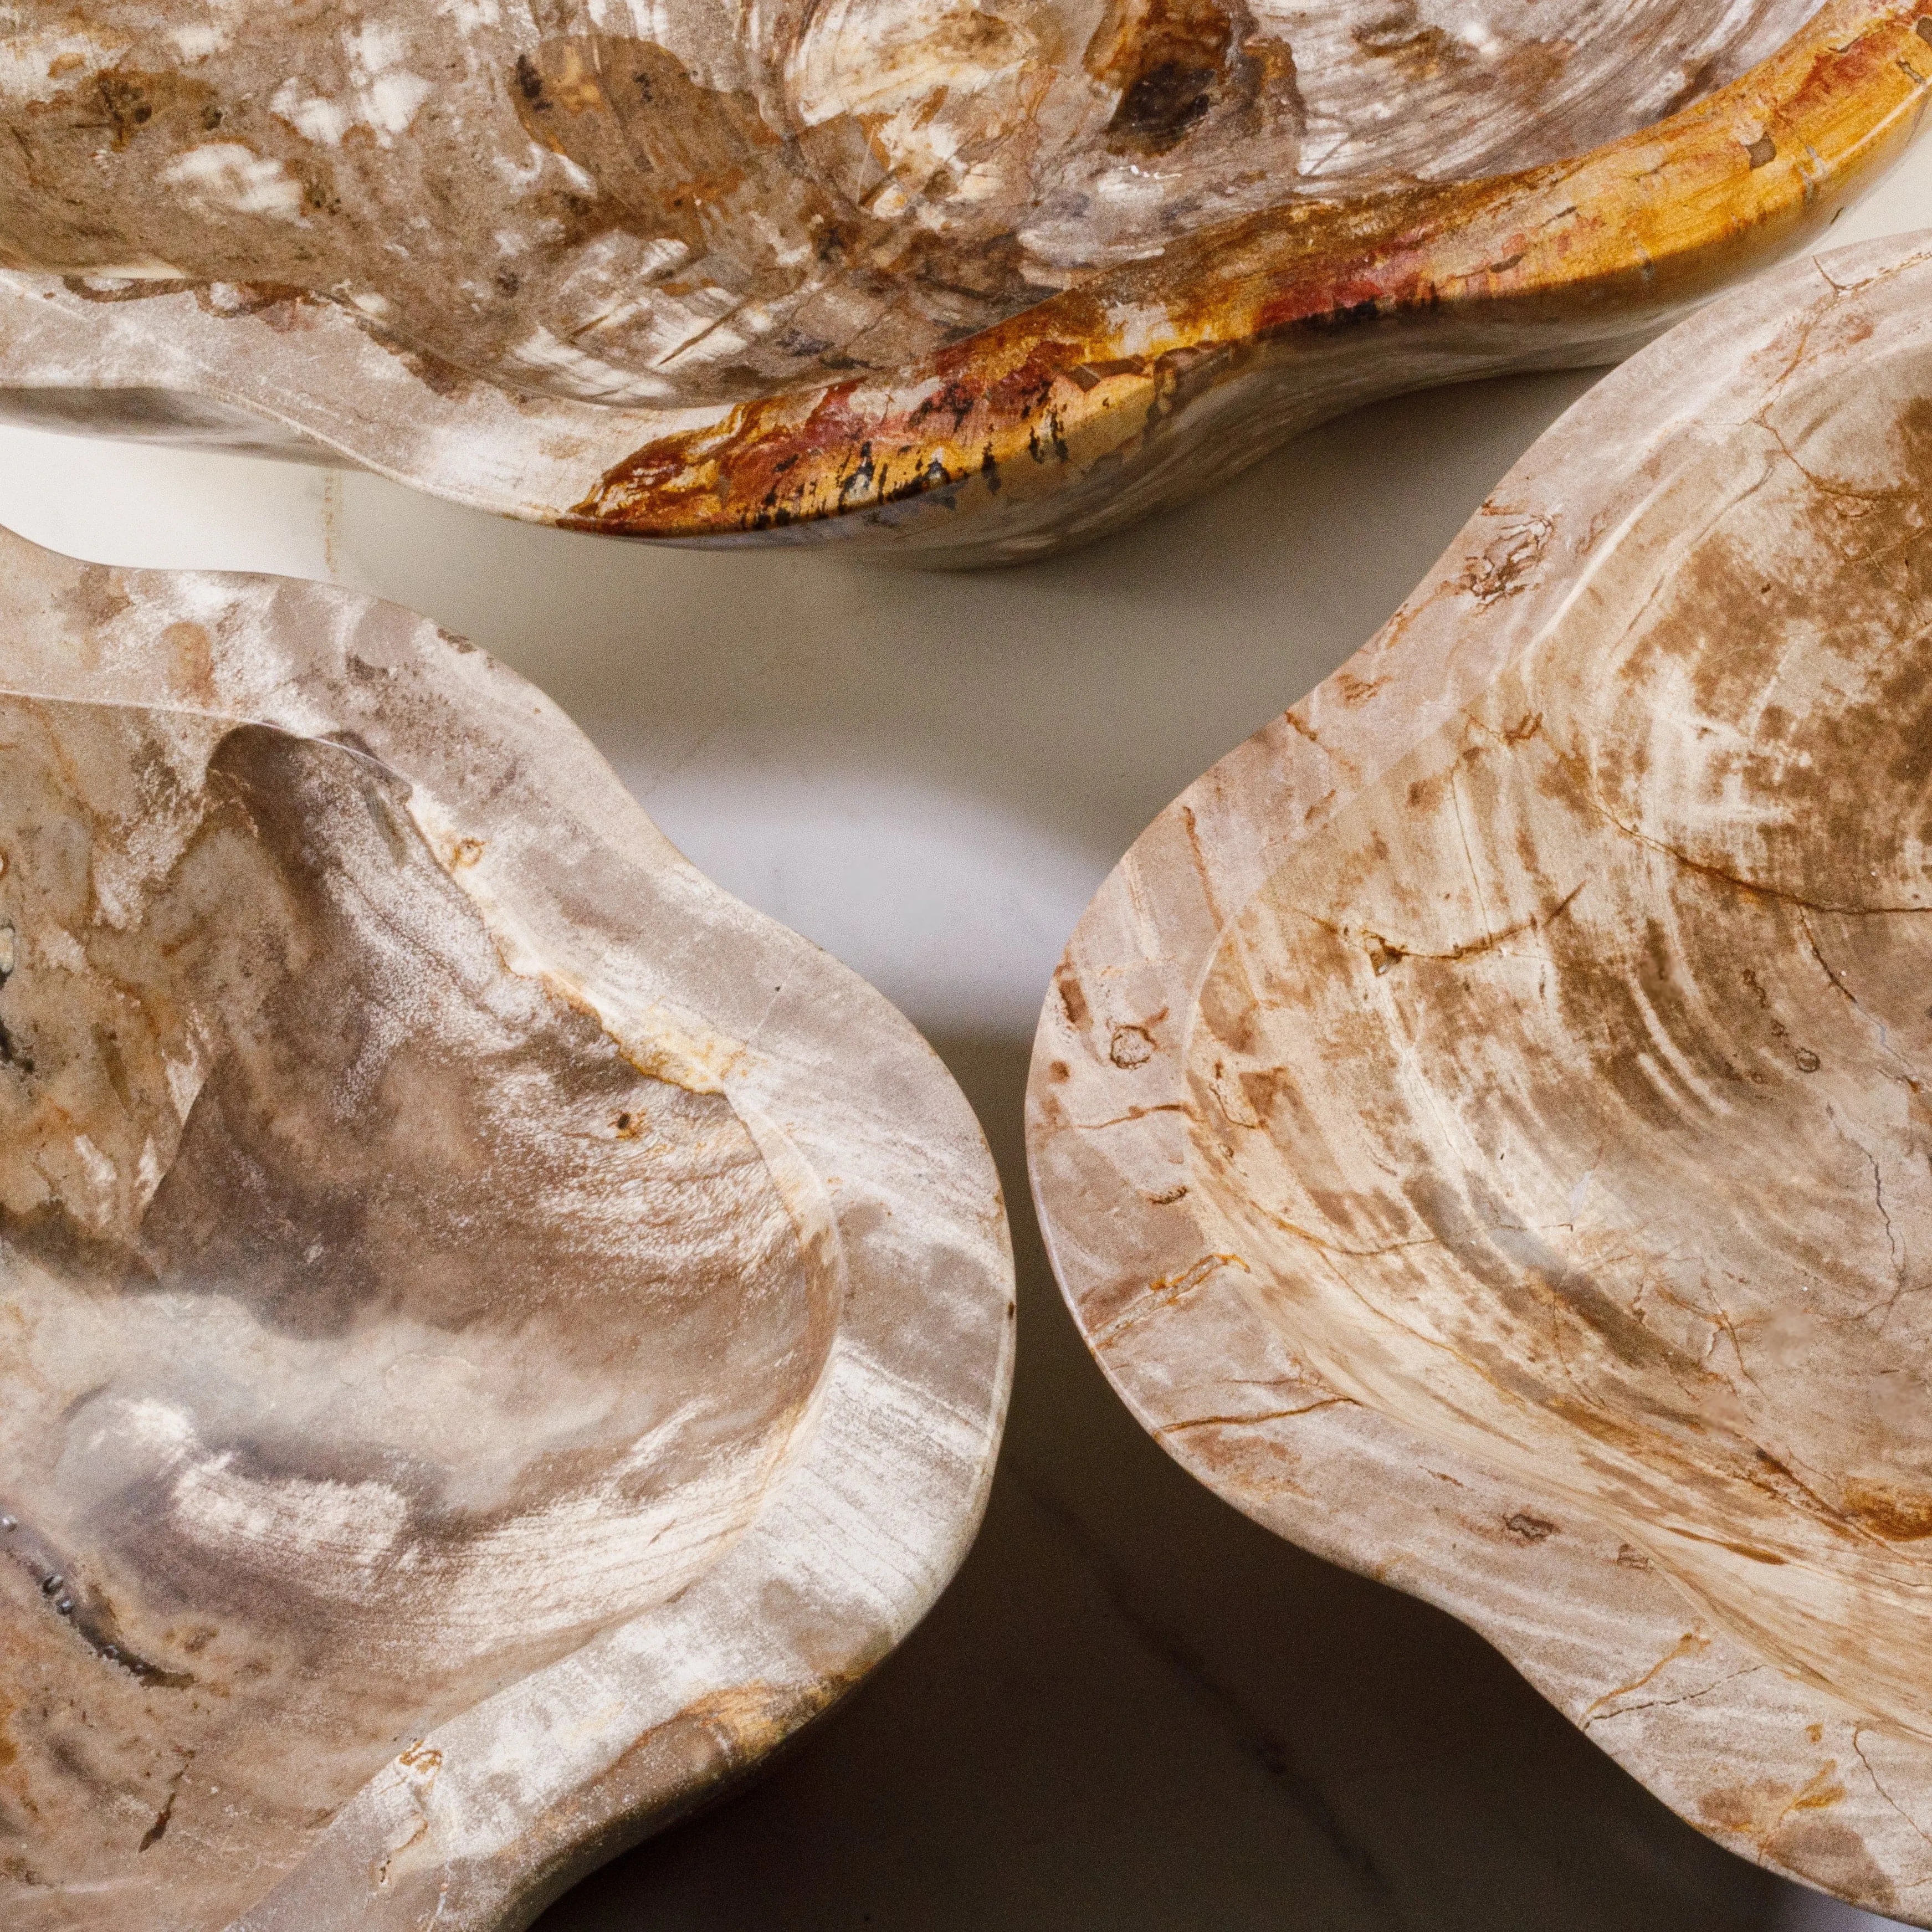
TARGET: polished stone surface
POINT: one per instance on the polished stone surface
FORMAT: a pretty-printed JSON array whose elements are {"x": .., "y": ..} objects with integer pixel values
[
  {"x": 1476, "y": 1126},
  {"x": 1134, "y": 1708},
  {"x": 668, "y": 206},
  {"x": 959, "y": 279},
  {"x": 499, "y": 1334}
]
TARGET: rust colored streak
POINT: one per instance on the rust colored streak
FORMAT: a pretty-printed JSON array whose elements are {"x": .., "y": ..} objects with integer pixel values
[{"x": 1654, "y": 220}]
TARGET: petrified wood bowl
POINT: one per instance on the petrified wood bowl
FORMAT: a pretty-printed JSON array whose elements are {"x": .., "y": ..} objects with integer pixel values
[
  {"x": 964, "y": 279},
  {"x": 494, "y": 1334},
  {"x": 1484, "y": 1127}
]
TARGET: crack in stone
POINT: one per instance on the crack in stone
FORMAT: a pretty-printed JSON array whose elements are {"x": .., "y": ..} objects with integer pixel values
[
  {"x": 1254, "y": 1421},
  {"x": 1670, "y": 1703},
  {"x": 158, "y": 1829},
  {"x": 1878, "y": 1785}
]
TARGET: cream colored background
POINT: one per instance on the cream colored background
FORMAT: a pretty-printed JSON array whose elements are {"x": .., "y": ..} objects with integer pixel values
[{"x": 1134, "y": 1710}]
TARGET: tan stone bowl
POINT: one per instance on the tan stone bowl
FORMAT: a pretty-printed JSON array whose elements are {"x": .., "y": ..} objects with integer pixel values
[
  {"x": 1483, "y": 1127},
  {"x": 496, "y": 1333},
  {"x": 961, "y": 280}
]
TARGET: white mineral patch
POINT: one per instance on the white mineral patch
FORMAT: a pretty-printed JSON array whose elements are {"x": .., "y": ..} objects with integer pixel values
[
  {"x": 226, "y": 176},
  {"x": 325, "y": 1532},
  {"x": 322, "y": 120},
  {"x": 585, "y": 374}
]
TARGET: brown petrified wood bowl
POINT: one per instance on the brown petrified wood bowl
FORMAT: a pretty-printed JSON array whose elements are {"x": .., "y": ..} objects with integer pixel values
[
  {"x": 494, "y": 1334},
  {"x": 963, "y": 279},
  {"x": 1484, "y": 1126}
]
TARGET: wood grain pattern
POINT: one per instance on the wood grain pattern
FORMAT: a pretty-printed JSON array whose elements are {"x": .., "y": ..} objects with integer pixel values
[
  {"x": 1479, "y": 1127},
  {"x": 475, "y": 1377},
  {"x": 967, "y": 283}
]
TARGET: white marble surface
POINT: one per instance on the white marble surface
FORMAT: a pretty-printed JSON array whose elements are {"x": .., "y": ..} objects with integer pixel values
[{"x": 1134, "y": 1709}]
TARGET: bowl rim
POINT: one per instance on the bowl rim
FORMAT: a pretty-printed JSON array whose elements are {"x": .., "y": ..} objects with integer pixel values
[
  {"x": 1019, "y": 424},
  {"x": 1626, "y": 1655},
  {"x": 874, "y": 1150}
]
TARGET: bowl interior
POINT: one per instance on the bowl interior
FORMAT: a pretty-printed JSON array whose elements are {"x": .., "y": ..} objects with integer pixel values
[
  {"x": 1564, "y": 1097},
  {"x": 652, "y": 206},
  {"x": 377, "y": 1331}
]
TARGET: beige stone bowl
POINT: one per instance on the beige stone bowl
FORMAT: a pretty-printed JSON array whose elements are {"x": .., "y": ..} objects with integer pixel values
[
  {"x": 496, "y": 1333},
  {"x": 1484, "y": 1126},
  {"x": 960, "y": 281}
]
